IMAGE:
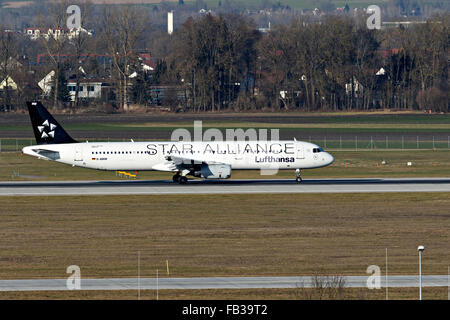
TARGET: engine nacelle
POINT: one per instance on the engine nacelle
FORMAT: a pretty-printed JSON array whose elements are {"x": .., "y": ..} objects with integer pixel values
[{"x": 214, "y": 171}]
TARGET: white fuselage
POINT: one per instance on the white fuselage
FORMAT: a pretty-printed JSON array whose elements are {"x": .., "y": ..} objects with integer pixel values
[{"x": 141, "y": 156}]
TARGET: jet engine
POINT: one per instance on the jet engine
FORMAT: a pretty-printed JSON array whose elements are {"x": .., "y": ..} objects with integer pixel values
[{"x": 214, "y": 171}]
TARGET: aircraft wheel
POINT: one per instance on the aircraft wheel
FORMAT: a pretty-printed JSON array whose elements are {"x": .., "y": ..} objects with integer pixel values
[
  {"x": 182, "y": 180},
  {"x": 298, "y": 177},
  {"x": 176, "y": 178}
]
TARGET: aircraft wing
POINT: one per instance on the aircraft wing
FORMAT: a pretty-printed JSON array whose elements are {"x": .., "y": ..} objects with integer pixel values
[
  {"x": 177, "y": 163},
  {"x": 190, "y": 160}
]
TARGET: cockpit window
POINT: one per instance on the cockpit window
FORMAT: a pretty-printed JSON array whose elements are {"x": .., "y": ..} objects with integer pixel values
[{"x": 316, "y": 150}]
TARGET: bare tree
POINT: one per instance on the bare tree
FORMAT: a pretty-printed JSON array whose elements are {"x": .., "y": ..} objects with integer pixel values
[
  {"x": 322, "y": 287},
  {"x": 80, "y": 42},
  {"x": 121, "y": 28},
  {"x": 8, "y": 51},
  {"x": 55, "y": 17}
]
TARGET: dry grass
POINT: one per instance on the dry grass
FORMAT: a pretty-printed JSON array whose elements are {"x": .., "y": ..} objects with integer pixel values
[
  {"x": 440, "y": 293},
  {"x": 257, "y": 125},
  {"x": 426, "y": 163},
  {"x": 223, "y": 235}
]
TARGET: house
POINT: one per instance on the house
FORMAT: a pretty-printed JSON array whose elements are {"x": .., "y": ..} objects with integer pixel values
[
  {"x": 46, "y": 33},
  {"x": 381, "y": 72},
  {"x": 55, "y": 33},
  {"x": 11, "y": 64},
  {"x": 144, "y": 67},
  {"x": 265, "y": 29},
  {"x": 20, "y": 82},
  {"x": 354, "y": 87},
  {"x": 75, "y": 33},
  {"x": 20, "y": 87},
  {"x": 8, "y": 82},
  {"x": 164, "y": 92},
  {"x": 89, "y": 89},
  {"x": 46, "y": 83}
]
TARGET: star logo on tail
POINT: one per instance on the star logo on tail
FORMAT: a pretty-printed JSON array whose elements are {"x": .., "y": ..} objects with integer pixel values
[{"x": 47, "y": 129}]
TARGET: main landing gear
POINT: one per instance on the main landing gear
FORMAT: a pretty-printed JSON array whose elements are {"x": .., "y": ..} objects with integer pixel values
[
  {"x": 179, "y": 178},
  {"x": 298, "y": 178}
]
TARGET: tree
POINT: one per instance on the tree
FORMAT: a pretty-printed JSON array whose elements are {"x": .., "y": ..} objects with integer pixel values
[
  {"x": 8, "y": 52},
  {"x": 433, "y": 99},
  {"x": 346, "y": 8},
  {"x": 121, "y": 29},
  {"x": 63, "y": 92},
  {"x": 79, "y": 45},
  {"x": 141, "y": 88},
  {"x": 214, "y": 54},
  {"x": 55, "y": 42}
]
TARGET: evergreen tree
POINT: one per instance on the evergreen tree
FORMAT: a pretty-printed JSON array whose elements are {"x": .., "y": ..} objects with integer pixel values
[
  {"x": 63, "y": 92},
  {"x": 141, "y": 90}
]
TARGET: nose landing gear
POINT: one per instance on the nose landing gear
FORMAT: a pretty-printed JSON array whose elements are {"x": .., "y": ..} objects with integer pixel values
[{"x": 298, "y": 178}]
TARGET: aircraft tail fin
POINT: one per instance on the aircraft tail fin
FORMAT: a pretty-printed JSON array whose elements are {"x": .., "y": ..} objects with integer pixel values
[{"x": 46, "y": 129}]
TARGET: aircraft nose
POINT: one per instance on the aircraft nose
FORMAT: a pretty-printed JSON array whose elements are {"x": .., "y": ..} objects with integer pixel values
[{"x": 330, "y": 158}]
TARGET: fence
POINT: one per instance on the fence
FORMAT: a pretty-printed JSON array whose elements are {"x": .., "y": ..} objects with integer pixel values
[
  {"x": 383, "y": 143},
  {"x": 330, "y": 143}
]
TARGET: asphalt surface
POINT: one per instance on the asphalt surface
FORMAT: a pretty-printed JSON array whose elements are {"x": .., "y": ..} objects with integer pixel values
[
  {"x": 214, "y": 283},
  {"x": 161, "y": 187}
]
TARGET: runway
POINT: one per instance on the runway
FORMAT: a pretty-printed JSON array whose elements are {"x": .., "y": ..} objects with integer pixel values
[
  {"x": 256, "y": 186},
  {"x": 213, "y": 283}
]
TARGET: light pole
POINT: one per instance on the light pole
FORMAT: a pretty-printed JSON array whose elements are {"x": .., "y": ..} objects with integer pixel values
[{"x": 420, "y": 249}]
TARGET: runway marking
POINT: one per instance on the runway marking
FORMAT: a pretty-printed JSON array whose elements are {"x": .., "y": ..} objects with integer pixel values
[
  {"x": 159, "y": 187},
  {"x": 399, "y": 281}
]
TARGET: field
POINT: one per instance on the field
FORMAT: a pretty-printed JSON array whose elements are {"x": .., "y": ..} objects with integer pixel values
[
  {"x": 334, "y": 132},
  {"x": 233, "y": 235},
  {"x": 425, "y": 163},
  {"x": 347, "y": 136},
  {"x": 256, "y": 235},
  {"x": 440, "y": 293}
]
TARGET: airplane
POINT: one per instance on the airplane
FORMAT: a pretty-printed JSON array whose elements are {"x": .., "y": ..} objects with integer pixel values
[{"x": 203, "y": 159}]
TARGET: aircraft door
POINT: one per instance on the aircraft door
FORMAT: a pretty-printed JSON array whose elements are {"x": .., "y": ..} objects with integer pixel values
[
  {"x": 300, "y": 151},
  {"x": 78, "y": 154}
]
